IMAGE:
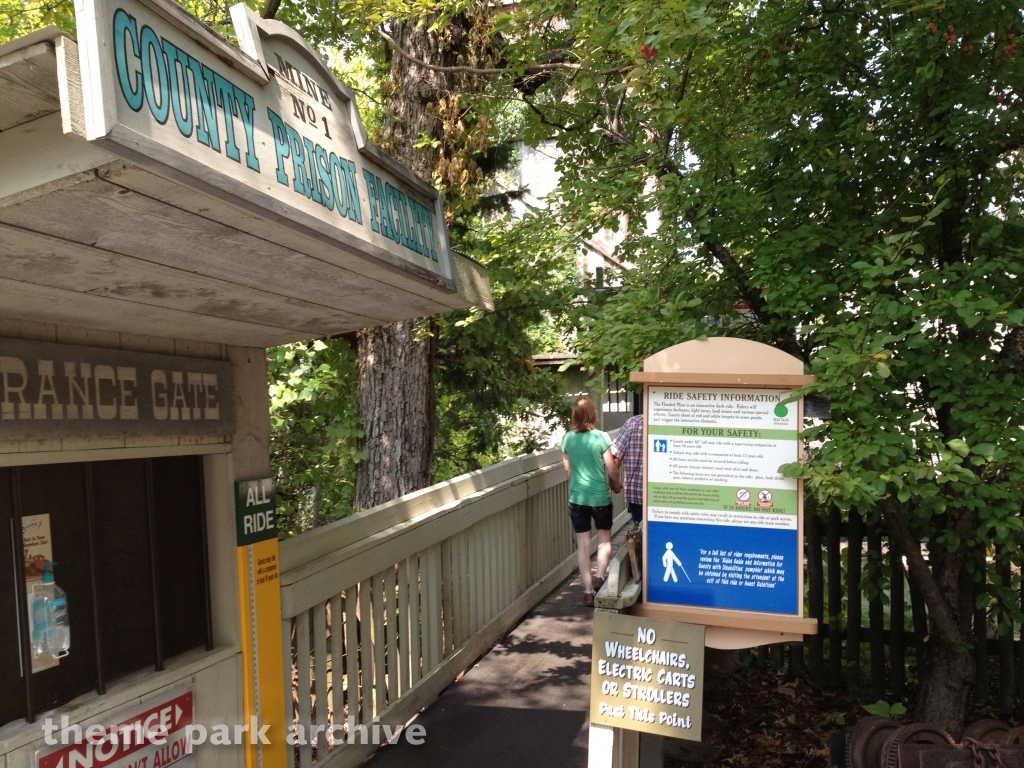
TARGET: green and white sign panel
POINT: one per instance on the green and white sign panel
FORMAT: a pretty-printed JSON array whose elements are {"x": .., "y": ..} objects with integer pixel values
[{"x": 722, "y": 522}]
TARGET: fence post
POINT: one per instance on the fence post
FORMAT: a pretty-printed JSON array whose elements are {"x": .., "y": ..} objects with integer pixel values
[
  {"x": 796, "y": 660},
  {"x": 854, "y": 552},
  {"x": 1020, "y": 660},
  {"x": 1007, "y": 694},
  {"x": 876, "y": 615},
  {"x": 920, "y": 614},
  {"x": 981, "y": 685},
  {"x": 835, "y": 602},
  {"x": 897, "y": 650},
  {"x": 815, "y": 599}
]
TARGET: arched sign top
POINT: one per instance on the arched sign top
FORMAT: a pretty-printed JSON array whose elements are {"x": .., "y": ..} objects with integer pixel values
[
  {"x": 266, "y": 127},
  {"x": 723, "y": 355}
]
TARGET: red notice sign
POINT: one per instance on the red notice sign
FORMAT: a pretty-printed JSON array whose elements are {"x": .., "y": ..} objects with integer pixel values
[{"x": 154, "y": 737}]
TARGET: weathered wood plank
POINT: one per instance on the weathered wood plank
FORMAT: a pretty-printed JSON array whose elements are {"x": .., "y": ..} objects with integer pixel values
[
  {"x": 44, "y": 304},
  {"x": 320, "y": 674},
  {"x": 404, "y": 642},
  {"x": 366, "y": 649},
  {"x": 337, "y": 662},
  {"x": 305, "y": 696},
  {"x": 855, "y": 556},
  {"x": 447, "y": 599},
  {"x": 379, "y": 643},
  {"x": 45, "y": 260},
  {"x": 835, "y": 599},
  {"x": 416, "y": 291},
  {"x": 28, "y": 85},
  {"x": 352, "y": 661},
  {"x": 59, "y": 161},
  {"x": 391, "y": 614},
  {"x": 415, "y": 626}
]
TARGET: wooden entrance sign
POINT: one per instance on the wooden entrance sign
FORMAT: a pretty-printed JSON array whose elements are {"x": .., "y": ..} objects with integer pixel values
[{"x": 723, "y": 529}]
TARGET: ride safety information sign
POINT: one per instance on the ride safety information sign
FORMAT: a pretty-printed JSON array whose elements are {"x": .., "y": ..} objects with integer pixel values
[
  {"x": 647, "y": 675},
  {"x": 722, "y": 521}
]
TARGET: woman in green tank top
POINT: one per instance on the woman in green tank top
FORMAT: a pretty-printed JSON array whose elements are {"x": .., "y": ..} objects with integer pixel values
[{"x": 591, "y": 484}]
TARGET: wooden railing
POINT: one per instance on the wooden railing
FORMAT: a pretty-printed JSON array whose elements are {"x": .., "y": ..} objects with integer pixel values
[{"x": 384, "y": 609}]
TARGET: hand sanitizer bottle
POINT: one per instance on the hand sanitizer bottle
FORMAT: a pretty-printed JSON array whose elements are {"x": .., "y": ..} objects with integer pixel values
[
  {"x": 40, "y": 614},
  {"x": 51, "y": 631}
]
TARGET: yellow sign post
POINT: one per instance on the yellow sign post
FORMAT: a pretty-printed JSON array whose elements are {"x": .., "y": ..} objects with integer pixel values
[{"x": 260, "y": 598}]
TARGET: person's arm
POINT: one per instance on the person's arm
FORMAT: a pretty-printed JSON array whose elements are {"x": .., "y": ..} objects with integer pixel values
[
  {"x": 565, "y": 463},
  {"x": 611, "y": 467}
]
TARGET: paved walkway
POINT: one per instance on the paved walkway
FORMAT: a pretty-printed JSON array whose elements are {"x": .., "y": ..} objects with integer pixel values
[{"x": 523, "y": 704}]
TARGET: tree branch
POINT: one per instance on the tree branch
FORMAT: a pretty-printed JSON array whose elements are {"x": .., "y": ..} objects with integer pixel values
[
  {"x": 533, "y": 69},
  {"x": 270, "y": 9},
  {"x": 943, "y": 622}
]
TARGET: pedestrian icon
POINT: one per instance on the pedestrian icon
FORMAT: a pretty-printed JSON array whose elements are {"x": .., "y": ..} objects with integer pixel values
[
  {"x": 661, "y": 446},
  {"x": 670, "y": 561}
]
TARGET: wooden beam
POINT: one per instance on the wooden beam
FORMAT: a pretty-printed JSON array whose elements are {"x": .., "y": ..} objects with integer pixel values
[
  {"x": 262, "y": 225},
  {"x": 756, "y": 380},
  {"x": 120, "y": 220},
  {"x": 28, "y": 85},
  {"x": 718, "y": 617},
  {"x": 49, "y": 261},
  {"x": 43, "y": 304}
]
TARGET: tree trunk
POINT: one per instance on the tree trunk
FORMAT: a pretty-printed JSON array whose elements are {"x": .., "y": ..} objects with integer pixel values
[
  {"x": 948, "y": 591},
  {"x": 396, "y": 402},
  {"x": 396, "y": 376}
]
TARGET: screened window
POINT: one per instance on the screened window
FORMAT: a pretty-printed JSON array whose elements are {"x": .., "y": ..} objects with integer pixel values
[{"x": 129, "y": 540}]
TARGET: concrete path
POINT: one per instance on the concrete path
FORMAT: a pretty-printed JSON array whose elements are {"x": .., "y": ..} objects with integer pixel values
[{"x": 524, "y": 704}]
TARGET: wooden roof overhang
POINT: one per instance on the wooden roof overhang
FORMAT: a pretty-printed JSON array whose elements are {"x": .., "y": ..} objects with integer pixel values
[{"x": 109, "y": 229}]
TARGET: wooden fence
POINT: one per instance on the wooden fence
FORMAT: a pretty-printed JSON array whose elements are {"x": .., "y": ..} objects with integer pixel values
[
  {"x": 384, "y": 609},
  {"x": 873, "y": 623}
]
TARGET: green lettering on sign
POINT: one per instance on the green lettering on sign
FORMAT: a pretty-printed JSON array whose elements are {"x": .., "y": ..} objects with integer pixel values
[{"x": 255, "y": 515}]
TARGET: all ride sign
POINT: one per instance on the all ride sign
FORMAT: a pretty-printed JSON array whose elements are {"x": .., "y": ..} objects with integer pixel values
[
  {"x": 157, "y": 736},
  {"x": 254, "y": 511}
]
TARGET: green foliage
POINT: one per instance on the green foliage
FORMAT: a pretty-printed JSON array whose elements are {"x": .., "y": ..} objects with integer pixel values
[
  {"x": 315, "y": 431},
  {"x": 492, "y": 401},
  {"x": 851, "y": 173},
  {"x": 885, "y": 709},
  {"x": 834, "y": 718},
  {"x": 19, "y": 17}
]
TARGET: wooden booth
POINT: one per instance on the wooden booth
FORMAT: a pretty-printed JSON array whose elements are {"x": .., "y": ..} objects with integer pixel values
[{"x": 170, "y": 206}]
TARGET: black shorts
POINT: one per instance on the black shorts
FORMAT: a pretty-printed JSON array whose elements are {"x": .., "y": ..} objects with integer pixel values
[{"x": 580, "y": 515}]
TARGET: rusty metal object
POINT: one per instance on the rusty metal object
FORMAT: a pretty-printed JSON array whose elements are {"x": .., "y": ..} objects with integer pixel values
[
  {"x": 878, "y": 742},
  {"x": 918, "y": 734},
  {"x": 985, "y": 731},
  {"x": 864, "y": 747},
  {"x": 1013, "y": 737}
]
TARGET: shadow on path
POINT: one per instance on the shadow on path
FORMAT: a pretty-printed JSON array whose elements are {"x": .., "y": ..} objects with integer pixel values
[{"x": 523, "y": 704}]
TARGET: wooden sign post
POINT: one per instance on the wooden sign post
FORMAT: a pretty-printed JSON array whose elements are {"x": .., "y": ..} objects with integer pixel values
[
  {"x": 723, "y": 529},
  {"x": 263, "y": 688}
]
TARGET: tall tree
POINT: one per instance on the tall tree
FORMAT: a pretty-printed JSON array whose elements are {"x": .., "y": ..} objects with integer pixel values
[
  {"x": 841, "y": 180},
  {"x": 396, "y": 372}
]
